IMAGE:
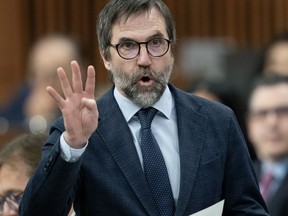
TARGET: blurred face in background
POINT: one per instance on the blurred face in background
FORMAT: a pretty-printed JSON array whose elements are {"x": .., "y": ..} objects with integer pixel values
[
  {"x": 46, "y": 56},
  {"x": 13, "y": 181},
  {"x": 277, "y": 59},
  {"x": 267, "y": 123}
]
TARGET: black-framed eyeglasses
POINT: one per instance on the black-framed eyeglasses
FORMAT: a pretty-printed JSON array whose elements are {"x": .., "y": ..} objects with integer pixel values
[
  {"x": 281, "y": 112},
  {"x": 130, "y": 49},
  {"x": 12, "y": 200}
]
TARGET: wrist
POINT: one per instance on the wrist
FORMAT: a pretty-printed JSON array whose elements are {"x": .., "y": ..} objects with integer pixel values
[{"x": 74, "y": 142}]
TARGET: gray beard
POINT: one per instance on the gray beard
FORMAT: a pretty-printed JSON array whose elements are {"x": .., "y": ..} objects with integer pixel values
[{"x": 143, "y": 96}]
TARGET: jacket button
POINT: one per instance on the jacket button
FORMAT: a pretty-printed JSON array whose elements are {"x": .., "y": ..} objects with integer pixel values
[{"x": 48, "y": 164}]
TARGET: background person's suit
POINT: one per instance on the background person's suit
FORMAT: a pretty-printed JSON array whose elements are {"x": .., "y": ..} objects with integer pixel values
[{"x": 278, "y": 203}]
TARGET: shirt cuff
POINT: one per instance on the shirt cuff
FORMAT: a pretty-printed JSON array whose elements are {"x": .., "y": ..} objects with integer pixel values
[{"x": 70, "y": 154}]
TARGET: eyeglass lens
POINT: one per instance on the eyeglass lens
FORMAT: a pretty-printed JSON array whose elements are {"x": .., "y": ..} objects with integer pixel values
[
  {"x": 12, "y": 201},
  {"x": 279, "y": 111}
]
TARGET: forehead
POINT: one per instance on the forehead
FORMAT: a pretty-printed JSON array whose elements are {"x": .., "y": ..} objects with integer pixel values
[
  {"x": 269, "y": 96},
  {"x": 140, "y": 26},
  {"x": 12, "y": 178}
]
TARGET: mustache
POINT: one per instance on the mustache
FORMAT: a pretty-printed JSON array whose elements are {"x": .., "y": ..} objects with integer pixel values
[{"x": 141, "y": 72}]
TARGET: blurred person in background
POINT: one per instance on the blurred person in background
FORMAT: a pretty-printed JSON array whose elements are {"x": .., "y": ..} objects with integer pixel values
[
  {"x": 18, "y": 160},
  {"x": 275, "y": 56},
  {"x": 33, "y": 109},
  {"x": 267, "y": 128}
]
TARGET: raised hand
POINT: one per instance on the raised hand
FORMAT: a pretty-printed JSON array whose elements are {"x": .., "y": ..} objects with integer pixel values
[{"x": 78, "y": 106}]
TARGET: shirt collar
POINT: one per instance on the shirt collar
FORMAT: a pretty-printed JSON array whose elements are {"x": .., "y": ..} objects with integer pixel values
[
  {"x": 278, "y": 169},
  {"x": 165, "y": 104}
]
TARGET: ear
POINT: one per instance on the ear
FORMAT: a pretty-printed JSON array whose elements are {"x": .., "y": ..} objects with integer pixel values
[{"x": 105, "y": 61}]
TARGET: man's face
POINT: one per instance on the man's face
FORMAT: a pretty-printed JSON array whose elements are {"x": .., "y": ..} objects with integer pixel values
[
  {"x": 268, "y": 122},
  {"x": 144, "y": 78},
  {"x": 13, "y": 180}
]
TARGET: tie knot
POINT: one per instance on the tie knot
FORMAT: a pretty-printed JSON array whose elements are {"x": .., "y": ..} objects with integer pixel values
[{"x": 146, "y": 116}]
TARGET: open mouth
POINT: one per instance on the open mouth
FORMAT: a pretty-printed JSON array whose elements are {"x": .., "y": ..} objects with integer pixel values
[{"x": 145, "y": 79}]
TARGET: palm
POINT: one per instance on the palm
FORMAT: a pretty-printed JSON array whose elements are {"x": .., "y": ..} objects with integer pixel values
[{"x": 78, "y": 106}]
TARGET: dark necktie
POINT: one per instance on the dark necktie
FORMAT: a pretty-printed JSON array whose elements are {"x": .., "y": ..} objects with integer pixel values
[{"x": 154, "y": 165}]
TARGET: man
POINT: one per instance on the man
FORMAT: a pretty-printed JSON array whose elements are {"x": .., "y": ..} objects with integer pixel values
[
  {"x": 18, "y": 160},
  {"x": 267, "y": 128},
  {"x": 102, "y": 157}
]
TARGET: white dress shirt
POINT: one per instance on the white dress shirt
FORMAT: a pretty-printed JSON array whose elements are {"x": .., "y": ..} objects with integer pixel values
[{"x": 164, "y": 128}]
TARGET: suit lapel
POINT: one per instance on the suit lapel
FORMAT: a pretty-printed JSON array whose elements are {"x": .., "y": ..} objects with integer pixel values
[
  {"x": 191, "y": 131},
  {"x": 118, "y": 138}
]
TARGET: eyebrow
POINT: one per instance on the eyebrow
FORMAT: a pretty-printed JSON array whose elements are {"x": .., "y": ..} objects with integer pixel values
[
  {"x": 155, "y": 35},
  {"x": 11, "y": 191}
]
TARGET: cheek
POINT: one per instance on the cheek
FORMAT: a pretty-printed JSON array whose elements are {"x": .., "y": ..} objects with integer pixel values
[
  {"x": 165, "y": 61},
  {"x": 255, "y": 132},
  {"x": 283, "y": 126},
  {"x": 119, "y": 64},
  {"x": 284, "y": 134}
]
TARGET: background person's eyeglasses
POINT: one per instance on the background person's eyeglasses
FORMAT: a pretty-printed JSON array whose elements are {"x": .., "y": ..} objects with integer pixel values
[
  {"x": 12, "y": 201},
  {"x": 130, "y": 49},
  {"x": 260, "y": 115}
]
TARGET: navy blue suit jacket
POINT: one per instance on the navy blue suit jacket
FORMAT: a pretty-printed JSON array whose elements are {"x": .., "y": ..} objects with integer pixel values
[{"x": 108, "y": 179}]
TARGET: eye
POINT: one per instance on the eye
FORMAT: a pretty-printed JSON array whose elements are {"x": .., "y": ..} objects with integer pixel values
[
  {"x": 156, "y": 42},
  {"x": 128, "y": 45},
  {"x": 260, "y": 113},
  {"x": 282, "y": 111}
]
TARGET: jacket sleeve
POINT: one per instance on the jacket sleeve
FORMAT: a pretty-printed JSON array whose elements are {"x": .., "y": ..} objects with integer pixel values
[
  {"x": 50, "y": 189},
  {"x": 240, "y": 178}
]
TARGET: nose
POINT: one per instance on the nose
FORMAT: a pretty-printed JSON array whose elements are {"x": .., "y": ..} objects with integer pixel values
[
  {"x": 272, "y": 118},
  {"x": 144, "y": 57}
]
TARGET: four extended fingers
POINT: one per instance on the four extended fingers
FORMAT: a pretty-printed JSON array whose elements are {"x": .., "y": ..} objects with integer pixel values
[{"x": 76, "y": 84}]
